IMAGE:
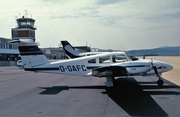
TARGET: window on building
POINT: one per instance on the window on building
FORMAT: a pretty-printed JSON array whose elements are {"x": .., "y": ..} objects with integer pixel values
[
  {"x": 7, "y": 46},
  {"x": 10, "y": 46},
  {"x": 2, "y": 45}
]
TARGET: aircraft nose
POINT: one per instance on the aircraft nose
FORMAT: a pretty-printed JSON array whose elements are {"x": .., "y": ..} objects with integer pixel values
[
  {"x": 169, "y": 67},
  {"x": 163, "y": 66}
]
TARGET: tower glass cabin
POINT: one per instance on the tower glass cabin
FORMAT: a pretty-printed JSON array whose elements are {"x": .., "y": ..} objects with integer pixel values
[{"x": 25, "y": 29}]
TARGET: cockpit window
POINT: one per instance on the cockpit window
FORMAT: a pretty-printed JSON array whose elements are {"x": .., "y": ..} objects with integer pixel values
[{"x": 119, "y": 58}]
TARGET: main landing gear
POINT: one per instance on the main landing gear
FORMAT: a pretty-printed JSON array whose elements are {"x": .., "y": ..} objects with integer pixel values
[{"x": 110, "y": 80}]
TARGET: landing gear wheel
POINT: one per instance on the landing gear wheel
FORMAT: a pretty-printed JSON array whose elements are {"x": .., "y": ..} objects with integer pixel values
[{"x": 160, "y": 83}]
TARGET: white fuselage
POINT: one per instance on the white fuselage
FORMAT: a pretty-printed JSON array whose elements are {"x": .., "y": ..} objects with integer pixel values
[{"x": 82, "y": 66}]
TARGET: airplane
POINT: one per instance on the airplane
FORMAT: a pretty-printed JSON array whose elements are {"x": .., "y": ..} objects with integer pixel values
[
  {"x": 109, "y": 65},
  {"x": 72, "y": 53}
]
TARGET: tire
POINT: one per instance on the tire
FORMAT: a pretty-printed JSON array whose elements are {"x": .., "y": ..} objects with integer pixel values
[{"x": 160, "y": 83}]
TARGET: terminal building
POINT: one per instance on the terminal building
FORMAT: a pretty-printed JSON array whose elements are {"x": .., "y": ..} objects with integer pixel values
[
  {"x": 8, "y": 51},
  {"x": 26, "y": 30}
]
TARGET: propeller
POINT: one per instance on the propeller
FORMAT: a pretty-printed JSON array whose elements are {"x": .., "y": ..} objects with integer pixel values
[
  {"x": 160, "y": 82},
  {"x": 155, "y": 68}
]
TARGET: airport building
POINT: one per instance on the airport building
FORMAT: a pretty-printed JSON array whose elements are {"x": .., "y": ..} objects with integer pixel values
[
  {"x": 26, "y": 30},
  {"x": 8, "y": 51}
]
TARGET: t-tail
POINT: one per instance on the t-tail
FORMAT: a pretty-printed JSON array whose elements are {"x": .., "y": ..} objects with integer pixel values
[
  {"x": 30, "y": 53},
  {"x": 70, "y": 50}
]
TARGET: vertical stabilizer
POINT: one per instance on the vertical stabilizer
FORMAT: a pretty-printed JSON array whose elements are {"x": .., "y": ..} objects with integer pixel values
[
  {"x": 30, "y": 53},
  {"x": 70, "y": 50}
]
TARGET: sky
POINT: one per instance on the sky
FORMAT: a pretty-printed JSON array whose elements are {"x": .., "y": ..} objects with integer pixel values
[{"x": 105, "y": 24}]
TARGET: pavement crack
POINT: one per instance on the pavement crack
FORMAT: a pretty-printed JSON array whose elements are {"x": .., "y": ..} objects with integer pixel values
[{"x": 107, "y": 101}]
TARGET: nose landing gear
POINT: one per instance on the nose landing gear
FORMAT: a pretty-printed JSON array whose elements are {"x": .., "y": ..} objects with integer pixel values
[{"x": 160, "y": 82}]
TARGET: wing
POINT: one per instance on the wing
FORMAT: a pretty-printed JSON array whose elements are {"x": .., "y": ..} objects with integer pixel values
[{"x": 110, "y": 71}]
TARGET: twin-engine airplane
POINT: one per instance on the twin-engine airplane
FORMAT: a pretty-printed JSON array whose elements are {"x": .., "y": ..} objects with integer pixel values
[
  {"x": 72, "y": 53},
  {"x": 109, "y": 64}
]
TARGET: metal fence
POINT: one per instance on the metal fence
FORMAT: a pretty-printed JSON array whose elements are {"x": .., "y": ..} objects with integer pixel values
[{"x": 8, "y": 63}]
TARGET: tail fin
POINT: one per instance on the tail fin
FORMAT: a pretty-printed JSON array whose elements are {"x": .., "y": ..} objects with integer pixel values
[
  {"x": 70, "y": 50},
  {"x": 30, "y": 53}
]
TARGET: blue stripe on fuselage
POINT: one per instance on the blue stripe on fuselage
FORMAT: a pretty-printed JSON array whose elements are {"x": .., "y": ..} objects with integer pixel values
[
  {"x": 94, "y": 67},
  {"x": 134, "y": 66}
]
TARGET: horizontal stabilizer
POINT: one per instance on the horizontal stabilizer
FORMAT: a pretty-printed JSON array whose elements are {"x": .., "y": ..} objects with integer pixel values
[
  {"x": 14, "y": 41},
  {"x": 23, "y": 42}
]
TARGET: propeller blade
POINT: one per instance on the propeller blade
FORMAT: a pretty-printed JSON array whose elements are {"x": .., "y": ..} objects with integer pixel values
[
  {"x": 155, "y": 70},
  {"x": 152, "y": 63}
]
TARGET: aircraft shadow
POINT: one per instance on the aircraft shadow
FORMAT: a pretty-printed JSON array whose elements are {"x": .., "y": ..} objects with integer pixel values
[
  {"x": 131, "y": 97},
  {"x": 57, "y": 89},
  {"x": 128, "y": 94}
]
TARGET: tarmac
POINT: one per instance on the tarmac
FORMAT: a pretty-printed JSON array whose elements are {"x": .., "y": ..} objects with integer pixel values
[{"x": 29, "y": 94}]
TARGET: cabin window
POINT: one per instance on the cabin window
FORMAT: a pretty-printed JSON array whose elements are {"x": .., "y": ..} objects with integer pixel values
[
  {"x": 92, "y": 61},
  {"x": 104, "y": 59}
]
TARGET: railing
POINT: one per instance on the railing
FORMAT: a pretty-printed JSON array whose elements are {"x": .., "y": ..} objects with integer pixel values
[{"x": 8, "y": 63}]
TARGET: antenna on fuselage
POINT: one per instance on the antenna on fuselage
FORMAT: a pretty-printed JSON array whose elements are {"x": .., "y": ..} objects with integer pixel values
[{"x": 110, "y": 47}]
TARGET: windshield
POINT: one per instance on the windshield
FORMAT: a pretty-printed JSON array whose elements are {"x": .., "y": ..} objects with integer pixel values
[{"x": 119, "y": 58}]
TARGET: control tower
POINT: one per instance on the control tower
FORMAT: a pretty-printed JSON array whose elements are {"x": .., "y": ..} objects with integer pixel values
[{"x": 25, "y": 29}]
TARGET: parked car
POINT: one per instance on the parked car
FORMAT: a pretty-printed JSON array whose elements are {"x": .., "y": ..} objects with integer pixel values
[{"x": 20, "y": 64}]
